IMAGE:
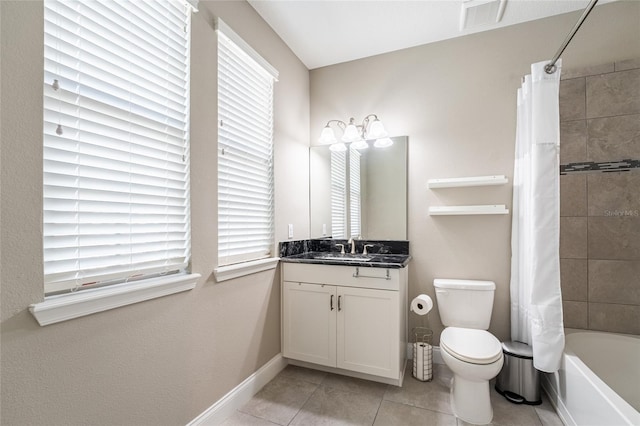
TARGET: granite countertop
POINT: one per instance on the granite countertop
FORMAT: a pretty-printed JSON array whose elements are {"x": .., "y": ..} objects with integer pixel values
[
  {"x": 371, "y": 261},
  {"x": 382, "y": 253}
]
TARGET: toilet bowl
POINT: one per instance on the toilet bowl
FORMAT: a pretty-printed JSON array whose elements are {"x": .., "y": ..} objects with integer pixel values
[
  {"x": 472, "y": 353},
  {"x": 474, "y": 357}
]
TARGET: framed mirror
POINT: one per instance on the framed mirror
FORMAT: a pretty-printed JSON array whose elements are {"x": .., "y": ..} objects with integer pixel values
[{"x": 359, "y": 193}]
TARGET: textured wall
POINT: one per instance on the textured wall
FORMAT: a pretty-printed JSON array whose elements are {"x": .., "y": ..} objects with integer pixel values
[
  {"x": 164, "y": 361},
  {"x": 456, "y": 101},
  {"x": 600, "y": 212}
]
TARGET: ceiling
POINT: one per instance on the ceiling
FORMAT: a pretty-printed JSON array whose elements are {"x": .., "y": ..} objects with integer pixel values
[{"x": 327, "y": 32}]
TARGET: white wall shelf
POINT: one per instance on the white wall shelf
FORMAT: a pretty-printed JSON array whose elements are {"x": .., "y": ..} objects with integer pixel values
[
  {"x": 467, "y": 181},
  {"x": 468, "y": 210}
]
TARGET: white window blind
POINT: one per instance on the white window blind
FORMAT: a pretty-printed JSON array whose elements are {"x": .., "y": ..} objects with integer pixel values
[
  {"x": 346, "y": 196},
  {"x": 116, "y": 141},
  {"x": 338, "y": 194},
  {"x": 354, "y": 193},
  {"x": 245, "y": 152}
]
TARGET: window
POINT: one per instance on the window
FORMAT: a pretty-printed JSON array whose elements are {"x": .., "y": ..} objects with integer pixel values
[
  {"x": 245, "y": 151},
  {"x": 355, "y": 198},
  {"x": 116, "y": 141},
  {"x": 338, "y": 194}
]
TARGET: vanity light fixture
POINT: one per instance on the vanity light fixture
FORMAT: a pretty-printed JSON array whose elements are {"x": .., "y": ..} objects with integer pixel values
[{"x": 356, "y": 134}]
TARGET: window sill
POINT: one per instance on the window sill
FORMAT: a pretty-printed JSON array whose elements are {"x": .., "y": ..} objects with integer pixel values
[
  {"x": 74, "y": 305},
  {"x": 224, "y": 273}
]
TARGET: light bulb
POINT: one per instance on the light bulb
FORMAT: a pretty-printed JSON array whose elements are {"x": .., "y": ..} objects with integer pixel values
[
  {"x": 383, "y": 143},
  {"x": 338, "y": 147},
  {"x": 351, "y": 133},
  {"x": 327, "y": 136},
  {"x": 376, "y": 130}
]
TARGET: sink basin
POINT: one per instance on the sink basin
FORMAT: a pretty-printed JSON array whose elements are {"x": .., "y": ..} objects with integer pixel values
[{"x": 337, "y": 256}]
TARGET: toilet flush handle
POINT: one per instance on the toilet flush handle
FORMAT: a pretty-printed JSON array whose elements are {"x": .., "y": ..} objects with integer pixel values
[{"x": 442, "y": 292}]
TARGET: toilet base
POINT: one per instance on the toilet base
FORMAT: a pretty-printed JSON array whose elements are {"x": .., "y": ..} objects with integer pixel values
[{"x": 471, "y": 400}]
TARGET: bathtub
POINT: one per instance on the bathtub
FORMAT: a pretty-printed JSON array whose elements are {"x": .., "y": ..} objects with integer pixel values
[{"x": 599, "y": 380}]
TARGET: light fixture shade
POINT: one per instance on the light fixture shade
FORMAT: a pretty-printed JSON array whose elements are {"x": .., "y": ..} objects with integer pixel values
[
  {"x": 383, "y": 143},
  {"x": 351, "y": 133},
  {"x": 327, "y": 136},
  {"x": 376, "y": 130},
  {"x": 338, "y": 147},
  {"x": 361, "y": 144}
]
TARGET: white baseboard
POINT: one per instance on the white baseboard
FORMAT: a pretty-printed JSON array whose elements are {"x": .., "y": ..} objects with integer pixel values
[
  {"x": 241, "y": 394},
  {"x": 437, "y": 356}
]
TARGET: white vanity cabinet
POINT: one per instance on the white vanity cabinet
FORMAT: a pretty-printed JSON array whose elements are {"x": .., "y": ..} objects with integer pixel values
[
  {"x": 309, "y": 322},
  {"x": 347, "y": 320}
]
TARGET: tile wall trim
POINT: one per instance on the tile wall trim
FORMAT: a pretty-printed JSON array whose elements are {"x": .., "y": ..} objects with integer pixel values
[{"x": 604, "y": 167}]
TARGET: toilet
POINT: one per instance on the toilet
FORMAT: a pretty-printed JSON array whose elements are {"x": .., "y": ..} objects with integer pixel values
[{"x": 472, "y": 353}]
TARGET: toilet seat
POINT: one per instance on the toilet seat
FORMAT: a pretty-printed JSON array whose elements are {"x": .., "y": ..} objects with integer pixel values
[{"x": 471, "y": 345}]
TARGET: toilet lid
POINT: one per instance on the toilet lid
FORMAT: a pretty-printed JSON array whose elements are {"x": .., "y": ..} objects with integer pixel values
[{"x": 470, "y": 345}]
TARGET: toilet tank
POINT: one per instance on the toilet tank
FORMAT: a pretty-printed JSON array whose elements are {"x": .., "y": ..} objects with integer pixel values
[{"x": 465, "y": 303}]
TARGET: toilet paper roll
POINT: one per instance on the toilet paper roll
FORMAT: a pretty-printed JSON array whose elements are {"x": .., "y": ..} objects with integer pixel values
[
  {"x": 421, "y": 304},
  {"x": 418, "y": 361}
]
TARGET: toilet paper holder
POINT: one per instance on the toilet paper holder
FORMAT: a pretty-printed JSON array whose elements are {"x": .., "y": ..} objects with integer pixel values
[
  {"x": 422, "y": 354},
  {"x": 421, "y": 304}
]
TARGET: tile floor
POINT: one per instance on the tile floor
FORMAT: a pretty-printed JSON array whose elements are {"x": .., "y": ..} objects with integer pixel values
[{"x": 300, "y": 396}]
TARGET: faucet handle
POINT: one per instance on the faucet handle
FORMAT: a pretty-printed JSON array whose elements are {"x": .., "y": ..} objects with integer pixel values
[
  {"x": 364, "y": 251},
  {"x": 341, "y": 247}
]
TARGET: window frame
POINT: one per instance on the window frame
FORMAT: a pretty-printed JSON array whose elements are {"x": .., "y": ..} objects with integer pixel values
[
  {"x": 230, "y": 265},
  {"x": 346, "y": 193},
  {"x": 127, "y": 290}
]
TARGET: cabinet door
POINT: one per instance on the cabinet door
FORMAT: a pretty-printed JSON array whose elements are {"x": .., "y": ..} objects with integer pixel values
[
  {"x": 368, "y": 332},
  {"x": 309, "y": 322}
]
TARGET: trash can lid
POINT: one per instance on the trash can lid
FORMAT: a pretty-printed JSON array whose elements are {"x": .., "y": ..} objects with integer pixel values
[{"x": 518, "y": 349}]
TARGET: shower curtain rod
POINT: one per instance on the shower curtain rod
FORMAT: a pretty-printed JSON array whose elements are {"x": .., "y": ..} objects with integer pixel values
[{"x": 550, "y": 68}]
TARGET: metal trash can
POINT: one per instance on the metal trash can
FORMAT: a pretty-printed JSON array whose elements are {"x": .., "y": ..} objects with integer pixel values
[{"x": 519, "y": 381}]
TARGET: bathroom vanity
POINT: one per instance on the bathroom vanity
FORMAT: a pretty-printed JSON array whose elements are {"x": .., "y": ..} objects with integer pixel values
[{"x": 346, "y": 314}]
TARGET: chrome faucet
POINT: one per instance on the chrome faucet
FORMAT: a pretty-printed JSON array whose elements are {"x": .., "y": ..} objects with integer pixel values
[{"x": 353, "y": 245}]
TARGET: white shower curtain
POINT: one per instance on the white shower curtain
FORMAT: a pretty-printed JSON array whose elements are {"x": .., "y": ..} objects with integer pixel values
[{"x": 536, "y": 300}]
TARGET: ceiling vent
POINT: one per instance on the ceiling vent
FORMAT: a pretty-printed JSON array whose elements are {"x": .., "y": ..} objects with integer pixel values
[{"x": 477, "y": 13}]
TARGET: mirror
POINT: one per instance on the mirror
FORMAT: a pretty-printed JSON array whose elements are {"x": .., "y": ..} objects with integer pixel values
[{"x": 359, "y": 193}]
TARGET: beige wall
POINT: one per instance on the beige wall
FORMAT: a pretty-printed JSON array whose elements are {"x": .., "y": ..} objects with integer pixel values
[
  {"x": 600, "y": 212},
  {"x": 164, "y": 361},
  {"x": 456, "y": 101}
]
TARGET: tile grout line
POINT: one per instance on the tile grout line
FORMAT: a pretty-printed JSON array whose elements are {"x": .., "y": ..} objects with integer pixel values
[
  {"x": 586, "y": 126},
  {"x": 587, "y": 237},
  {"x": 305, "y": 401},
  {"x": 538, "y": 416},
  {"x": 255, "y": 417},
  {"x": 378, "y": 409}
]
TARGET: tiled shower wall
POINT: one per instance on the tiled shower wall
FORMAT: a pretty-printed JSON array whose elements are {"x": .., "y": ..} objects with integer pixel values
[{"x": 600, "y": 211}]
